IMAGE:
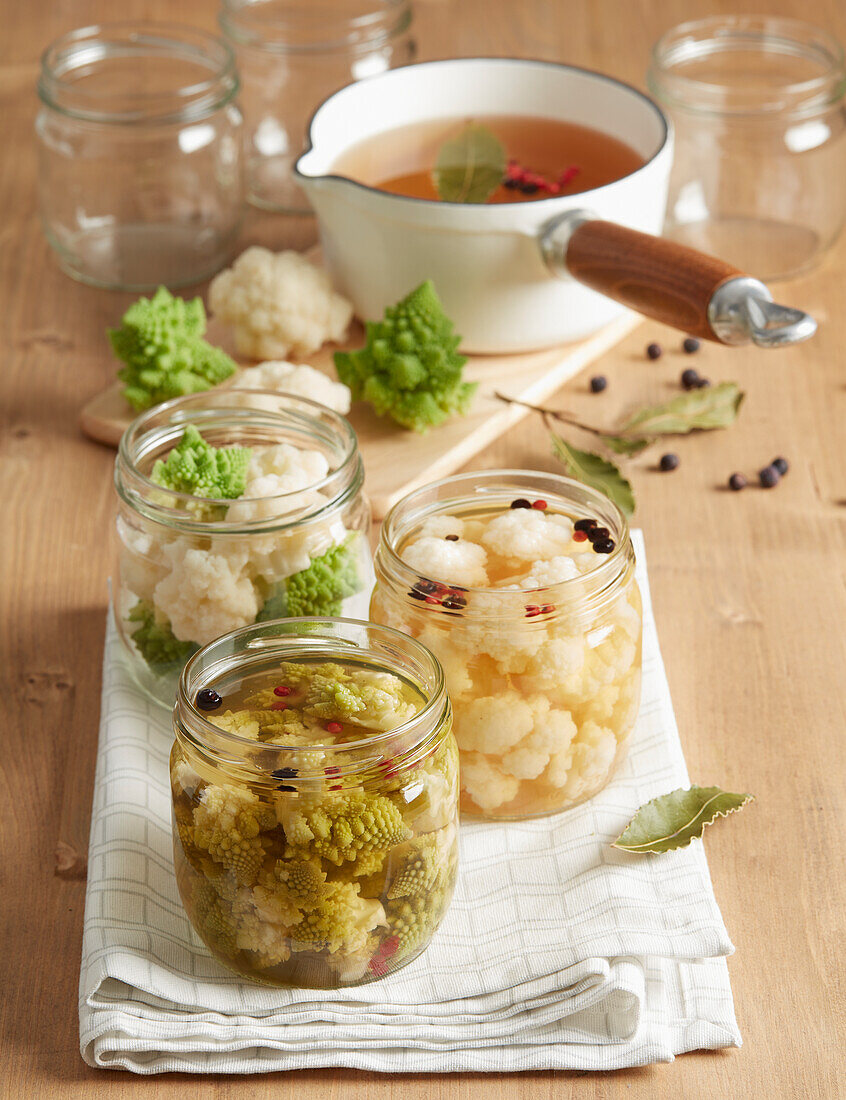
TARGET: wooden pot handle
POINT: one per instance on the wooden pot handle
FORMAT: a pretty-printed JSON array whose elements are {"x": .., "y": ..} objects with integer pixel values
[{"x": 664, "y": 280}]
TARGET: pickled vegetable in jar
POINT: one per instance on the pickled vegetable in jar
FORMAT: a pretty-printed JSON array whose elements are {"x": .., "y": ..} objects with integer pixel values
[
  {"x": 315, "y": 800},
  {"x": 235, "y": 507},
  {"x": 522, "y": 584}
]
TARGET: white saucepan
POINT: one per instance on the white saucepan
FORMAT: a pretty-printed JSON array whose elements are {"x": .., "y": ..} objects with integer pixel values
[{"x": 519, "y": 276}]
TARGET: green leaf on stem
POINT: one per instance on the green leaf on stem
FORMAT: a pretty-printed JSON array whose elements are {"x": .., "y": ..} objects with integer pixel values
[
  {"x": 711, "y": 407},
  {"x": 672, "y": 820},
  {"x": 596, "y": 471}
]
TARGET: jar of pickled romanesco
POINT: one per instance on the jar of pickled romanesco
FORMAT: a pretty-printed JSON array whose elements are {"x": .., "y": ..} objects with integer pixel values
[
  {"x": 235, "y": 507},
  {"x": 315, "y": 800},
  {"x": 523, "y": 585}
]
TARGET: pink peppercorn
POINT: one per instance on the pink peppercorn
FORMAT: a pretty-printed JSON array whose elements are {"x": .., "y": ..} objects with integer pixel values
[
  {"x": 283, "y": 690},
  {"x": 540, "y": 505},
  {"x": 333, "y": 727}
]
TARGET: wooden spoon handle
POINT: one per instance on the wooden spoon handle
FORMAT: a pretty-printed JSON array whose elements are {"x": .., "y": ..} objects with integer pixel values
[{"x": 652, "y": 275}]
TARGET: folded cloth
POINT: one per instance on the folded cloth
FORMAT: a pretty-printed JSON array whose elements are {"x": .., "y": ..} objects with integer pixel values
[{"x": 559, "y": 952}]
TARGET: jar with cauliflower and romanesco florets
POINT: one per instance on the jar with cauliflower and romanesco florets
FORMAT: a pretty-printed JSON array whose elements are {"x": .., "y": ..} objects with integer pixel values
[
  {"x": 235, "y": 507},
  {"x": 522, "y": 584},
  {"x": 315, "y": 800}
]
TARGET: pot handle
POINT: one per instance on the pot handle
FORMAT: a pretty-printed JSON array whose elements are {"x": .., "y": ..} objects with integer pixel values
[{"x": 669, "y": 282}]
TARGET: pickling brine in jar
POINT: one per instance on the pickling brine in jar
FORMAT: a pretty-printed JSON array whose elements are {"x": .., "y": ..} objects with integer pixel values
[
  {"x": 315, "y": 800},
  {"x": 523, "y": 585}
]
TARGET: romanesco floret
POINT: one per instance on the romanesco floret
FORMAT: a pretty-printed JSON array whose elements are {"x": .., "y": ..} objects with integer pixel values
[
  {"x": 341, "y": 829},
  {"x": 155, "y": 640},
  {"x": 227, "y": 824},
  {"x": 196, "y": 467},
  {"x": 424, "y": 859},
  {"x": 409, "y": 368},
  {"x": 160, "y": 341},
  {"x": 341, "y": 922},
  {"x": 213, "y": 919},
  {"x": 359, "y": 697},
  {"x": 320, "y": 589}
]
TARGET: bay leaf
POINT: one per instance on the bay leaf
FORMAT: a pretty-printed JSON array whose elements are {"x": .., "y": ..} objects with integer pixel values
[
  {"x": 672, "y": 820},
  {"x": 711, "y": 407},
  {"x": 620, "y": 445},
  {"x": 469, "y": 167},
  {"x": 596, "y": 471}
]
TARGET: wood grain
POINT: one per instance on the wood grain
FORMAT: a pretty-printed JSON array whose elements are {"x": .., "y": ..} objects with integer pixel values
[
  {"x": 663, "y": 280},
  {"x": 748, "y": 590}
]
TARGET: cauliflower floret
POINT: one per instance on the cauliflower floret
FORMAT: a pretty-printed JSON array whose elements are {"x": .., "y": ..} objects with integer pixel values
[
  {"x": 461, "y": 563},
  {"x": 600, "y": 706},
  {"x": 494, "y": 723},
  {"x": 453, "y": 659},
  {"x": 205, "y": 594},
  {"x": 526, "y": 535},
  {"x": 296, "y": 378},
  {"x": 278, "y": 303},
  {"x": 511, "y": 645},
  {"x": 302, "y": 467},
  {"x": 586, "y": 764},
  {"x": 441, "y": 525},
  {"x": 545, "y": 573},
  {"x": 555, "y": 661},
  {"x": 487, "y": 785},
  {"x": 277, "y": 480},
  {"x": 553, "y": 731},
  {"x": 141, "y": 566}
]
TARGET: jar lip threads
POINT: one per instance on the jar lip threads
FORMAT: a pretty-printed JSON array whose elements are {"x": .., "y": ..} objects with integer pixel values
[{"x": 137, "y": 72}]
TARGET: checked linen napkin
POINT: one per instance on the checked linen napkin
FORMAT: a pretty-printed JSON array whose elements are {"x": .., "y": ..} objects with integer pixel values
[{"x": 558, "y": 952}]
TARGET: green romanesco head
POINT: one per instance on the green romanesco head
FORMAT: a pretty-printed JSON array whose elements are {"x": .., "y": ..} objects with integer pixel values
[
  {"x": 196, "y": 467},
  {"x": 160, "y": 342},
  {"x": 409, "y": 368},
  {"x": 155, "y": 641},
  {"x": 340, "y": 922},
  {"x": 228, "y": 822},
  {"x": 360, "y": 697},
  {"x": 341, "y": 829},
  {"x": 328, "y": 581}
]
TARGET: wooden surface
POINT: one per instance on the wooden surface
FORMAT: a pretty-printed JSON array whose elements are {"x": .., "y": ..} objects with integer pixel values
[
  {"x": 397, "y": 461},
  {"x": 748, "y": 591}
]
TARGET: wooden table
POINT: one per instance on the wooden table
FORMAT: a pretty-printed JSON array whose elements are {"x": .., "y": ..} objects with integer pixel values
[{"x": 748, "y": 591}]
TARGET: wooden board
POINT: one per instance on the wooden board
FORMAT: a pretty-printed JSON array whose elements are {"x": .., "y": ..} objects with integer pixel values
[{"x": 395, "y": 460}]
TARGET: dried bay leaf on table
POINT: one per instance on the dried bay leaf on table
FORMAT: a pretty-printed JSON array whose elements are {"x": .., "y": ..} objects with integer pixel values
[
  {"x": 595, "y": 471},
  {"x": 672, "y": 820},
  {"x": 711, "y": 407}
]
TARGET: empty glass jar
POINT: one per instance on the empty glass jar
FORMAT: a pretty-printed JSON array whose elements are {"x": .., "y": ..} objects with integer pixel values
[
  {"x": 140, "y": 163},
  {"x": 760, "y": 156},
  {"x": 291, "y": 56}
]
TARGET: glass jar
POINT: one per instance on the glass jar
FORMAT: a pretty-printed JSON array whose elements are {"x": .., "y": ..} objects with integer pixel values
[
  {"x": 544, "y": 680},
  {"x": 312, "y": 864},
  {"x": 291, "y": 56},
  {"x": 192, "y": 569},
  {"x": 760, "y": 146},
  {"x": 140, "y": 164}
]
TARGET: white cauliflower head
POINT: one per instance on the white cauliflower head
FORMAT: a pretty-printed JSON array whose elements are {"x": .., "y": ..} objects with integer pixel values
[
  {"x": 205, "y": 594},
  {"x": 493, "y": 724},
  {"x": 486, "y": 783},
  {"x": 298, "y": 379},
  {"x": 552, "y": 732},
  {"x": 461, "y": 563},
  {"x": 278, "y": 303},
  {"x": 526, "y": 535}
]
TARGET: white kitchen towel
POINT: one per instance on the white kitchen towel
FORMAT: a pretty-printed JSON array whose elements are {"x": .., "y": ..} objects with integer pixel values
[{"x": 558, "y": 952}]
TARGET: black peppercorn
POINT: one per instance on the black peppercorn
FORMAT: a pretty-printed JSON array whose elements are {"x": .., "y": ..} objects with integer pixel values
[
  {"x": 737, "y": 482},
  {"x": 598, "y": 383},
  {"x": 451, "y": 538},
  {"x": 584, "y": 524},
  {"x": 285, "y": 773},
  {"x": 654, "y": 351},
  {"x": 603, "y": 546},
  {"x": 668, "y": 462},
  {"x": 690, "y": 344},
  {"x": 690, "y": 378},
  {"x": 703, "y": 383},
  {"x": 769, "y": 477},
  {"x": 781, "y": 464},
  {"x": 598, "y": 533},
  {"x": 521, "y": 502},
  {"x": 208, "y": 699}
]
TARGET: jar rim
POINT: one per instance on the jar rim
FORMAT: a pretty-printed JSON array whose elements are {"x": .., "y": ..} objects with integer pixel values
[
  {"x": 357, "y": 33},
  {"x": 283, "y": 636},
  {"x": 209, "y": 409},
  {"x": 716, "y": 35},
  {"x": 75, "y": 54},
  {"x": 593, "y": 585}
]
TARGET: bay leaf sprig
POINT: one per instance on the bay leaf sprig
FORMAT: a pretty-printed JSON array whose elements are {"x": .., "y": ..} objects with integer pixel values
[
  {"x": 696, "y": 410},
  {"x": 594, "y": 470},
  {"x": 672, "y": 820},
  {"x": 469, "y": 167}
]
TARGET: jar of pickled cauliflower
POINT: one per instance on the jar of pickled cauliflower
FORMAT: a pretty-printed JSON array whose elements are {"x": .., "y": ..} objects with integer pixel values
[
  {"x": 234, "y": 507},
  {"x": 315, "y": 800},
  {"x": 522, "y": 584}
]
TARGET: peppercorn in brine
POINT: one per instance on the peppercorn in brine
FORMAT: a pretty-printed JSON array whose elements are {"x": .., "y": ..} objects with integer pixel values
[{"x": 327, "y": 855}]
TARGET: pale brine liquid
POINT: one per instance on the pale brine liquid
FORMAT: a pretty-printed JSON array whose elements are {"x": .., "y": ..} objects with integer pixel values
[{"x": 402, "y": 160}]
